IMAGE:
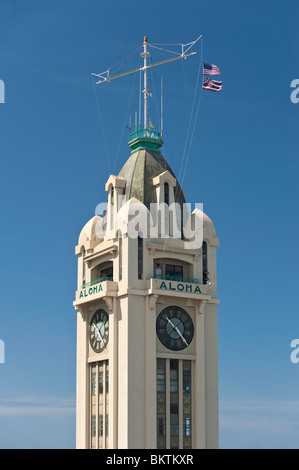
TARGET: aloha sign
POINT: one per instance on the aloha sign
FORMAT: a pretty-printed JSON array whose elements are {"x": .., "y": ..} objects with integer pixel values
[
  {"x": 180, "y": 286},
  {"x": 90, "y": 291}
]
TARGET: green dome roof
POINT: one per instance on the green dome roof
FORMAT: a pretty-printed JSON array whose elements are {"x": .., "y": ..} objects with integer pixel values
[{"x": 139, "y": 171}]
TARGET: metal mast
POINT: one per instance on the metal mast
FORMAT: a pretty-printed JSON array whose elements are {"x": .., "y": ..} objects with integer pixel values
[
  {"x": 145, "y": 54},
  {"x": 105, "y": 76}
]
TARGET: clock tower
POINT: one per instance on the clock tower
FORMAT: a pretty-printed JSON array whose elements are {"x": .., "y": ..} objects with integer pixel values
[{"x": 146, "y": 302}]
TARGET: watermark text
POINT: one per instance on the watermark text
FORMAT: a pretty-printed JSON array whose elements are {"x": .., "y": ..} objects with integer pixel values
[
  {"x": 295, "y": 93},
  {"x": 134, "y": 219},
  {"x": 2, "y": 352},
  {"x": 295, "y": 352},
  {"x": 2, "y": 91}
]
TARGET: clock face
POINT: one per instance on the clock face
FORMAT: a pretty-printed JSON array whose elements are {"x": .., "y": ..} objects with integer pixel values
[
  {"x": 98, "y": 330},
  {"x": 175, "y": 328}
]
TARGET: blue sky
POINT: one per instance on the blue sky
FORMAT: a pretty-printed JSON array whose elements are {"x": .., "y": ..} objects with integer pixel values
[{"x": 60, "y": 139}]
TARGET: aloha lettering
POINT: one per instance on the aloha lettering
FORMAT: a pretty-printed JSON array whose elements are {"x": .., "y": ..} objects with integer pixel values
[
  {"x": 90, "y": 291},
  {"x": 190, "y": 288}
]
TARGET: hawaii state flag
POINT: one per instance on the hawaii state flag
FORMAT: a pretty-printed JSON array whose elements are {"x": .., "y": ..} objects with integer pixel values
[{"x": 212, "y": 85}]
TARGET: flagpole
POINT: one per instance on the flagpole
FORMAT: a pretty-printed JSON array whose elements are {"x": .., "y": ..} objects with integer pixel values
[
  {"x": 106, "y": 77},
  {"x": 145, "y": 55},
  {"x": 140, "y": 101},
  {"x": 161, "y": 106}
]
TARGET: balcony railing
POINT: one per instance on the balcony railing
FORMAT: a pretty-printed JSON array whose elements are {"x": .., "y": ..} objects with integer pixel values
[
  {"x": 145, "y": 137},
  {"x": 92, "y": 283},
  {"x": 149, "y": 133}
]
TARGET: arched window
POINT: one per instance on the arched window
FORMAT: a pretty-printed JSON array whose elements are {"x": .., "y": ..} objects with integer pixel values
[
  {"x": 140, "y": 256},
  {"x": 204, "y": 262},
  {"x": 112, "y": 207},
  {"x": 83, "y": 266},
  {"x": 112, "y": 195},
  {"x": 166, "y": 193}
]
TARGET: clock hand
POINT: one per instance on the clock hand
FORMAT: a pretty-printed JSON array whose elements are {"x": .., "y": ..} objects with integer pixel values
[
  {"x": 102, "y": 327},
  {"x": 170, "y": 322},
  {"x": 173, "y": 326},
  {"x": 96, "y": 328},
  {"x": 177, "y": 330}
]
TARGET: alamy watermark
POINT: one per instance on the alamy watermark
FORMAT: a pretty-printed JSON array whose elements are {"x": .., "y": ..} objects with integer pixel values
[
  {"x": 295, "y": 353},
  {"x": 2, "y": 352},
  {"x": 134, "y": 219},
  {"x": 295, "y": 93},
  {"x": 2, "y": 91}
]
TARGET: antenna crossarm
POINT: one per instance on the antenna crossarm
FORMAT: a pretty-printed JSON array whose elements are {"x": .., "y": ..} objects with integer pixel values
[
  {"x": 181, "y": 56},
  {"x": 190, "y": 44},
  {"x": 108, "y": 78},
  {"x": 105, "y": 76}
]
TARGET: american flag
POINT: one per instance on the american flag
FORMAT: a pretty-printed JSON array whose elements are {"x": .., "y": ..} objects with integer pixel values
[
  {"x": 210, "y": 69},
  {"x": 212, "y": 85}
]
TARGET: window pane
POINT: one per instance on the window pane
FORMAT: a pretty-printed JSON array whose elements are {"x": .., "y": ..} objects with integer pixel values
[
  {"x": 107, "y": 380},
  {"x": 100, "y": 425},
  {"x": 166, "y": 193},
  {"x": 161, "y": 383},
  {"x": 205, "y": 273},
  {"x": 174, "y": 272},
  {"x": 161, "y": 404},
  {"x": 107, "y": 425},
  {"x": 140, "y": 257},
  {"x": 174, "y": 402},
  {"x": 100, "y": 381},
  {"x": 161, "y": 420},
  {"x": 173, "y": 376},
  {"x": 108, "y": 272},
  {"x": 187, "y": 426},
  {"x": 186, "y": 377},
  {"x": 187, "y": 416},
  {"x": 169, "y": 269},
  {"x": 158, "y": 270},
  {"x": 93, "y": 383},
  {"x": 93, "y": 426}
]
